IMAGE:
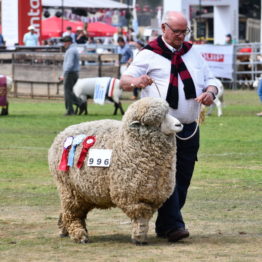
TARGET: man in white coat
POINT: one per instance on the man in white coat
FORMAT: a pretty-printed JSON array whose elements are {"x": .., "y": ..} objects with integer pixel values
[{"x": 171, "y": 68}]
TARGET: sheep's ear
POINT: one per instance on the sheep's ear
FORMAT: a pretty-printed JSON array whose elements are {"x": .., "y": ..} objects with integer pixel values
[{"x": 135, "y": 124}]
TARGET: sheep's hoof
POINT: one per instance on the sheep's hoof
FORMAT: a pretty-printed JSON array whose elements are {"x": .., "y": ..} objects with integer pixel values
[
  {"x": 140, "y": 243},
  {"x": 63, "y": 235}
]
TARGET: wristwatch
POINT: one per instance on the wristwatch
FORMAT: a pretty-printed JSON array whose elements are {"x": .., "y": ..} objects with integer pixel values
[{"x": 213, "y": 94}]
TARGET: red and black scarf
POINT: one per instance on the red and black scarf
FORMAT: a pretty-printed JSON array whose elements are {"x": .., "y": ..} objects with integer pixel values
[{"x": 177, "y": 67}]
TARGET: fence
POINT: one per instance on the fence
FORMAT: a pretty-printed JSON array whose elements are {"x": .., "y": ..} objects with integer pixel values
[{"x": 36, "y": 74}]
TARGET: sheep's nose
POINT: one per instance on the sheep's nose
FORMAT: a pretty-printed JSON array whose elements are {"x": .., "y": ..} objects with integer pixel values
[{"x": 178, "y": 125}]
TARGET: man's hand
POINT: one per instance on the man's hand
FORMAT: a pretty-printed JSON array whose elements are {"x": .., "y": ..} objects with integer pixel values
[
  {"x": 143, "y": 81},
  {"x": 206, "y": 99}
]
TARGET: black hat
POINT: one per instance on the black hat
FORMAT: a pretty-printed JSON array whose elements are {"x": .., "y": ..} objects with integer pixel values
[{"x": 67, "y": 38}]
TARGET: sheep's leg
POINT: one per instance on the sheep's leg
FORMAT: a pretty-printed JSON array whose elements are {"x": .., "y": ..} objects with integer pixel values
[
  {"x": 139, "y": 231},
  {"x": 72, "y": 219},
  {"x": 219, "y": 107},
  {"x": 211, "y": 107},
  {"x": 116, "y": 108}
]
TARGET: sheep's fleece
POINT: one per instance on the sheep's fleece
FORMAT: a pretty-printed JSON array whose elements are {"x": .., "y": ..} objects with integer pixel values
[{"x": 141, "y": 175}]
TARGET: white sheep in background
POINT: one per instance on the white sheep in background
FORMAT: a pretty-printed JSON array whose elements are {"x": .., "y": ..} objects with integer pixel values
[
  {"x": 4, "y": 92},
  {"x": 85, "y": 88},
  {"x": 141, "y": 175},
  {"x": 218, "y": 101}
]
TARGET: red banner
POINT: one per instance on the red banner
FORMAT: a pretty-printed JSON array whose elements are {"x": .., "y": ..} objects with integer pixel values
[{"x": 29, "y": 13}]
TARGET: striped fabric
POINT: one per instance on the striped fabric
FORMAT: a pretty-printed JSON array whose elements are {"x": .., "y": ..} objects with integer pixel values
[{"x": 177, "y": 67}]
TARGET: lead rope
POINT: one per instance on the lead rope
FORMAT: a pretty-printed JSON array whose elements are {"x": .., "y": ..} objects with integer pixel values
[{"x": 198, "y": 118}]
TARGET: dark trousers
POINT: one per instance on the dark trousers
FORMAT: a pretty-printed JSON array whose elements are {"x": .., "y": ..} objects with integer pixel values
[
  {"x": 169, "y": 214},
  {"x": 70, "y": 79}
]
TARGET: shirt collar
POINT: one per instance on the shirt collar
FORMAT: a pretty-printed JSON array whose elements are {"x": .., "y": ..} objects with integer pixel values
[{"x": 171, "y": 48}]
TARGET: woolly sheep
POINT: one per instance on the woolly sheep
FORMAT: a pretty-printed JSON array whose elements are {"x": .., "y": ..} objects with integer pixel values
[
  {"x": 85, "y": 88},
  {"x": 138, "y": 181}
]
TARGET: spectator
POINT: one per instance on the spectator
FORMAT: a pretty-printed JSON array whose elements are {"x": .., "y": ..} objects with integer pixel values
[
  {"x": 2, "y": 41},
  {"x": 70, "y": 76},
  {"x": 228, "y": 39},
  {"x": 80, "y": 36},
  {"x": 139, "y": 45},
  {"x": 259, "y": 92},
  {"x": 31, "y": 38},
  {"x": 69, "y": 32},
  {"x": 126, "y": 54}
]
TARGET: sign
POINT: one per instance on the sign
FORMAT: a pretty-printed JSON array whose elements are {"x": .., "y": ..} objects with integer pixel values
[
  {"x": 218, "y": 58},
  {"x": 29, "y": 13},
  {"x": 99, "y": 157}
]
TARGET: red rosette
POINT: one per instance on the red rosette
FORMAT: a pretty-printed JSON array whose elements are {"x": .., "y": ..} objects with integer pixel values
[
  {"x": 87, "y": 143},
  {"x": 63, "y": 163}
]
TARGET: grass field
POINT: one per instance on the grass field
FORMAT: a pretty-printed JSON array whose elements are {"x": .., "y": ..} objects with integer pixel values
[{"x": 223, "y": 210}]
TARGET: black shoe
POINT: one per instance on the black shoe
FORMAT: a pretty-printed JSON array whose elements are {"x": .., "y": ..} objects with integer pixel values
[{"x": 178, "y": 234}]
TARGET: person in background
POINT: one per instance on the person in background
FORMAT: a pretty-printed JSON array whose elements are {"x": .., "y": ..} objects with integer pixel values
[
  {"x": 139, "y": 45},
  {"x": 71, "y": 69},
  {"x": 69, "y": 32},
  {"x": 228, "y": 39},
  {"x": 170, "y": 68},
  {"x": 259, "y": 92},
  {"x": 126, "y": 54},
  {"x": 80, "y": 36},
  {"x": 31, "y": 37},
  {"x": 2, "y": 41}
]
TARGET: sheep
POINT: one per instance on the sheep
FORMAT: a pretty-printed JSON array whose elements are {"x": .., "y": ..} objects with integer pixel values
[
  {"x": 85, "y": 88},
  {"x": 141, "y": 175},
  {"x": 218, "y": 101},
  {"x": 6, "y": 84}
]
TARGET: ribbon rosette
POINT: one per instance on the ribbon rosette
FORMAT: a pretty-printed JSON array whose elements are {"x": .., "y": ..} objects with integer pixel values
[
  {"x": 77, "y": 140},
  {"x": 63, "y": 163},
  {"x": 87, "y": 143}
]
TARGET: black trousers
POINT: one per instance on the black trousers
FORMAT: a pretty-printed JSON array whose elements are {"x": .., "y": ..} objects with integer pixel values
[
  {"x": 169, "y": 214},
  {"x": 70, "y": 79}
]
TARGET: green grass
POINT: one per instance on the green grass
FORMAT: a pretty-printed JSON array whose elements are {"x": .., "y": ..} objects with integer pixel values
[{"x": 223, "y": 209}]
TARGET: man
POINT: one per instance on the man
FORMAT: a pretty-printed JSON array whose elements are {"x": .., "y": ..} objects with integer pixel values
[
  {"x": 126, "y": 54},
  {"x": 30, "y": 38},
  {"x": 171, "y": 68},
  {"x": 70, "y": 75},
  {"x": 69, "y": 32},
  {"x": 80, "y": 36}
]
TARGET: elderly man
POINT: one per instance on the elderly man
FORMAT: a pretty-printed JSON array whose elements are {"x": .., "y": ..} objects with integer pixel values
[
  {"x": 31, "y": 38},
  {"x": 171, "y": 68}
]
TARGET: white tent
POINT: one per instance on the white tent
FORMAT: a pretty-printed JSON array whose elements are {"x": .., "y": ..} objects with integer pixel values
[{"x": 84, "y": 4}]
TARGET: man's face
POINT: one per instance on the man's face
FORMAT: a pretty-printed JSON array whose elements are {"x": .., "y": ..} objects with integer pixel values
[
  {"x": 121, "y": 44},
  {"x": 174, "y": 32},
  {"x": 67, "y": 44}
]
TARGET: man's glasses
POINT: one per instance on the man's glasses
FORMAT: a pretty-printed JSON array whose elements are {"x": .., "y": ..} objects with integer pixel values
[{"x": 179, "y": 32}]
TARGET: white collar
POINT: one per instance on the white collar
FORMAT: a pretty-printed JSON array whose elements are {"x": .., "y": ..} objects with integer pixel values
[{"x": 171, "y": 48}]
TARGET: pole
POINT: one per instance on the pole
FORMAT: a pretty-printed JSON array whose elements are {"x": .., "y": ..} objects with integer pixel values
[{"x": 62, "y": 17}]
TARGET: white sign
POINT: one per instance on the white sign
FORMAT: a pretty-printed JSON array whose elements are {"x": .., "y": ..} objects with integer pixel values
[
  {"x": 99, "y": 157},
  {"x": 219, "y": 59}
]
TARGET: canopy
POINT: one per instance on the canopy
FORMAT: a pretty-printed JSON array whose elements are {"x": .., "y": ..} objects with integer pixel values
[
  {"x": 101, "y": 29},
  {"x": 52, "y": 26},
  {"x": 84, "y": 4}
]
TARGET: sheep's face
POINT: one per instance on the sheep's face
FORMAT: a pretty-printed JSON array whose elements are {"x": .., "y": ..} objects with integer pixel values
[{"x": 151, "y": 113}]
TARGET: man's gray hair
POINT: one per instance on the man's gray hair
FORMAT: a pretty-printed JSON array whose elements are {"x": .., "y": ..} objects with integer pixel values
[{"x": 165, "y": 17}]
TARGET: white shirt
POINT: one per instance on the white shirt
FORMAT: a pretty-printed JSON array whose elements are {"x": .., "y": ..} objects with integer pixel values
[{"x": 159, "y": 67}]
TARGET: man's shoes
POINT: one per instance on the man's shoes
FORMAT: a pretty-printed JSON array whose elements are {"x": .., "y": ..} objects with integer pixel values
[{"x": 178, "y": 234}]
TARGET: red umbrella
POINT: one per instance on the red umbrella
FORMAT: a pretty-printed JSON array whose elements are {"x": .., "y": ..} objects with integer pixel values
[
  {"x": 101, "y": 29},
  {"x": 52, "y": 27}
]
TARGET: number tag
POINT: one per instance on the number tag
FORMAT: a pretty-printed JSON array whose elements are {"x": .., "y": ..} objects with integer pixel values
[{"x": 99, "y": 157}]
